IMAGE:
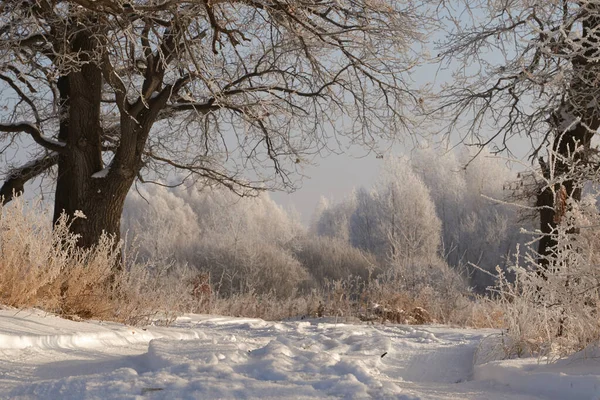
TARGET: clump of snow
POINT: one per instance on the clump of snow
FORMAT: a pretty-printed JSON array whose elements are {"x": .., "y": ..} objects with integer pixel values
[{"x": 102, "y": 173}]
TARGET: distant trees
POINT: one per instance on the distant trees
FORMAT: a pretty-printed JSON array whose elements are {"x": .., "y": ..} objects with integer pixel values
[
  {"x": 397, "y": 218},
  {"x": 477, "y": 227},
  {"x": 409, "y": 224},
  {"x": 420, "y": 216},
  {"x": 428, "y": 207},
  {"x": 244, "y": 243}
]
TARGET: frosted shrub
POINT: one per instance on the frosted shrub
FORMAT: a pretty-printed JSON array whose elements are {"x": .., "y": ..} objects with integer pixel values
[
  {"x": 423, "y": 282},
  {"x": 554, "y": 310},
  {"x": 41, "y": 266},
  {"x": 32, "y": 256},
  {"x": 243, "y": 266},
  {"x": 328, "y": 258},
  {"x": 144, "y": 291}
]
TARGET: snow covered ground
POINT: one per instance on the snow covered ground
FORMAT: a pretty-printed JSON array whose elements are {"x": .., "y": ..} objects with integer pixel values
[{"x": 203, "y": 357}]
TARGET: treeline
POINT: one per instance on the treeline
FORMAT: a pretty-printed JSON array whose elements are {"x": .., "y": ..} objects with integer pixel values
[
  {"x": 432, "y": 205},
  {"x": 421, "y": 216}
]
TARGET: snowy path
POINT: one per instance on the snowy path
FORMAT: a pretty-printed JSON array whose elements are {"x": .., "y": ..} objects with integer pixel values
[{"x": 44, "y": 357}]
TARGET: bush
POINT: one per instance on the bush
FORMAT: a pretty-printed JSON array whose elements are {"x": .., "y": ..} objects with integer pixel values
[
  {"x": 553, "y": 310},
  {"x": 428, "y": 283},
  {"x": 42, "y": 267},
  {"x": 328, "y": 258},
  {"x": 245, "y": 266}
]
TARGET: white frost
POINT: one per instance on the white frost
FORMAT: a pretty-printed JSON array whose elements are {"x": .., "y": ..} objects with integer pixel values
[
  {"x": 569, "y": 121},
  {"x": 32, "y": 163},
  {"x": 49, "y": 140}
]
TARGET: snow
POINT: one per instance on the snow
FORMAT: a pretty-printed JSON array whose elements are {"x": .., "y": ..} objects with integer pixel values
[
  {"x": 34, "y": 127},
  {"x": 102, "y": 173},
  {"x": 55, "y": 142},
  {"x": 199, "y": 357}
]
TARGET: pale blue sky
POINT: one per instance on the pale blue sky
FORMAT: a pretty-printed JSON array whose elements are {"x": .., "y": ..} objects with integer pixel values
[{"x": 334, "y": 177}]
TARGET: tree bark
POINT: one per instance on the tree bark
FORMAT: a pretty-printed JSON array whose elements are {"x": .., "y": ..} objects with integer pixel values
[
  {"x": 549, "y": 201},
  {"x": 570, "y": 146},
  {"x": 101, "y": 200}
]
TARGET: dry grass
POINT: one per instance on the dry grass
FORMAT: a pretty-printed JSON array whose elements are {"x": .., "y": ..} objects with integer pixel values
[{"x": 42, "y": 267}]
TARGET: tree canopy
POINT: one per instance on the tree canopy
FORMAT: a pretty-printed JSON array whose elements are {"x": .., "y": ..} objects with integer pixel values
[{"x": 234, "y": 92}]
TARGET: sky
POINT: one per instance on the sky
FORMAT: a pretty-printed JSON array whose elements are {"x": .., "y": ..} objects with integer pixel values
[{"x": 332, "y": 177}]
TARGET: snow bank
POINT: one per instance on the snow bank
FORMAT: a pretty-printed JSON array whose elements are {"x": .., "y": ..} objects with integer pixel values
[
  {"x": 203, "y": 357},
  {"x": 575, "y": 377},
  {"x": 528, "y": 376},
  {"x": 21, "y": 330}
]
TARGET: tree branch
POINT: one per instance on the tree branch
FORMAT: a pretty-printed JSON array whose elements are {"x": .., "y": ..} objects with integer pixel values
[
  {"x": 16, "y": 179},
  {"x": 36, "y": 135}
]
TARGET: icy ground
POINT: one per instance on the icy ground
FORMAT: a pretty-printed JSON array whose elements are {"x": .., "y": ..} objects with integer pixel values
[{"x": 203, "y": 357}]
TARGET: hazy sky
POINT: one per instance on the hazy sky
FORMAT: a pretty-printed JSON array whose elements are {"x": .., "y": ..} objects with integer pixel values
[{"x": 334, "y": 177}]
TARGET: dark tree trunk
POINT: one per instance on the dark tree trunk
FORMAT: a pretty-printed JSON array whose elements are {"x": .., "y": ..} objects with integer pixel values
[
  {"x": 551, "y": 201},
  {"x": 99, "y": 199},
  {"x": 545, "y": 203},
  {"x": 79, "y": 187},
  {"x": 570, "y": 146}
]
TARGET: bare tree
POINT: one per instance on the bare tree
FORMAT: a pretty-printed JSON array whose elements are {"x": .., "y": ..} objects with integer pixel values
[
  {"x": 113, "y": 90},
  {"x": 529, "y": 68}
]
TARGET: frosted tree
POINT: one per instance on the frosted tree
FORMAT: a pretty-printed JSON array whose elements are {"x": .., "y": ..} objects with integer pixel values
[
  {"x": 530, "y": 69},
  {"x": 468, "y": 189},
  {"x": 396, "y": 218},
  {"x": 552, "y": 305},
  {"x": 445, "y": 179},
  {"x": 334, "y": 220},
  {"x": 365, "y": 223},
  {"x": 315, "y": 217},
  {"x": 161, "y": 223},
  {"x": 407, "y": 217},
  {"x": 490, "y": 225}
]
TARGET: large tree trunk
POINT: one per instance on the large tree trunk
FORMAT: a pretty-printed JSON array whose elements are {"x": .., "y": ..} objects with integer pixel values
[
  {"x": 99, "y": 199},
  {"x": 79, "y": 186},
  {"x": 551, "y": 201}
]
